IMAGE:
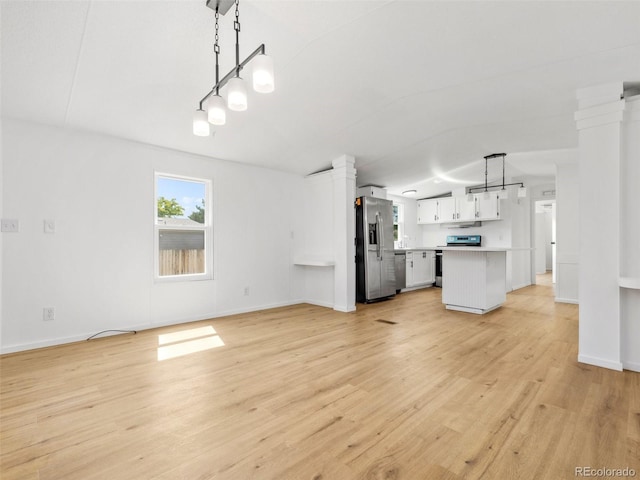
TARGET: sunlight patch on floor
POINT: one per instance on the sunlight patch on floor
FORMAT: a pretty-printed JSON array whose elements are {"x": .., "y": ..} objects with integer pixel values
[
  {"x": 185, "y": 342},
  {"x": 183, "y": 335}
]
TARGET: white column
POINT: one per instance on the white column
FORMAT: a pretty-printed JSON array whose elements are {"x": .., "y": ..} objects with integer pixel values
[
  {"x": 599, "y": 120},
  {"x": 344, "y": 233},
  {"x": 630, "y": 235},
  {"x": 567, "y": 267}
]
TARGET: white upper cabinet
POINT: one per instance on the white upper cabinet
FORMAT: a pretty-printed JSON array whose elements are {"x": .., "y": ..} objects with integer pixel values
[
  {"x": 428, "y": 211},
  {"x": 448, "y": 210},
  {"x": 459, "y": 209},
  {"x": 487, "y": 206},
  {"x": 466, "y": 209}
]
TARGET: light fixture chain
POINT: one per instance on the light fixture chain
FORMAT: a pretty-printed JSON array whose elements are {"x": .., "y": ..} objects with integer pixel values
[
  {"x": 216, "y": 47},
  {"x": 236, "y": 24}
]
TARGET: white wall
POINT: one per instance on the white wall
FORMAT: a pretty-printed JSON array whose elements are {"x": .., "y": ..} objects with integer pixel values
[
  {"x": 97, "y": 269},
  {"x": 540, "y": 239},
  {"x": 567, "y": 230},
  {"x": 599, "y": 124},
  {"x": 1, "y": 234},
  {"x": 630, "y": 233},
  {"x": 316, "y": 242}
]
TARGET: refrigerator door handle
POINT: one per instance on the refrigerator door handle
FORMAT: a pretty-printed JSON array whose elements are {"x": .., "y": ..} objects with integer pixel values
[{"x": 380, "y": 236}]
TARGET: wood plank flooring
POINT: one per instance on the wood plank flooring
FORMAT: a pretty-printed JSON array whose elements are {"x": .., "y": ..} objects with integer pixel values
[{"x": 305, "y": 392}]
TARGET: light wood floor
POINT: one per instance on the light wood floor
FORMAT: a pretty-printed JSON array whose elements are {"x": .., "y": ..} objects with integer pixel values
[
  {"x": 545, "y": 279},
  {"x": 304, "y": 392}
]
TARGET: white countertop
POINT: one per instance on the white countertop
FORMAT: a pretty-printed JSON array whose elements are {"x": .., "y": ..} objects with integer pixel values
[
  {"x": 475, "y": 249},
  {"x": 466, "y": 249}
]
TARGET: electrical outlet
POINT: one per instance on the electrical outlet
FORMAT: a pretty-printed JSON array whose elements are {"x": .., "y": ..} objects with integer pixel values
[
  {"x": 246, "y": 291},
  {"x": 10, "y": 225},
  {"x": 48, "y": 314}
]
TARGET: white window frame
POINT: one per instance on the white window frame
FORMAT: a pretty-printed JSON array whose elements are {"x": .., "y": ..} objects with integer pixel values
[
  {"x": 400, "y": 242},
  {"x": 207, "y": 228}
]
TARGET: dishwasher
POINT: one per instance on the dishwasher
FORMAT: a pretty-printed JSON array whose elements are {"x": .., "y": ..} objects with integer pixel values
[{"x": 401, "y": 270}]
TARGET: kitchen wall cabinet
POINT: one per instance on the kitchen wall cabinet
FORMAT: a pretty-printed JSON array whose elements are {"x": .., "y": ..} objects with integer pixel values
[
  {"x": 447, "y": 209},
  {"x": 487, "y": 206},
  {"x": 459, "y": 209},
  {"x": 420, "y": 268},
  {"x": 428, "y": 211},
  {"x": 466, "y": 209}
]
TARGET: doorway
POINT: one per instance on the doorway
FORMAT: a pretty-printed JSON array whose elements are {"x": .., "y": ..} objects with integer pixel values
[{"x": 545, "y": 238}]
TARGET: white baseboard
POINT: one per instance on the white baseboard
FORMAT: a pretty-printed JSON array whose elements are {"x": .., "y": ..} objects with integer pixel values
[
  {"x": 600, "y": 362},
  {"x": 518, "y": 287},
  {"x": 347, "y": 309},
  {"x": 319, "y": 303},
  {"x": 45, "y": 343},
  {"x": 633, "y": 366},
  {"x": 147, "y": 326},
  {"x": 566, "y": 300}
]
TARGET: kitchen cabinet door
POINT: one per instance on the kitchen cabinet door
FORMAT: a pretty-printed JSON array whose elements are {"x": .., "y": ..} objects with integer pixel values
[
  {"x": 423, "y": 267},
  {"x": 428, "y": 211},
  {"x": 447, "y": 210},
  {"x": 466, "y": 209},
  {"x": 409, "y": 279},
  {"x": 487, "y": 207}
]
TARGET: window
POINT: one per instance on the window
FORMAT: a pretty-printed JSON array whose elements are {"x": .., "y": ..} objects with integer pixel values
[
  {"x": 398, "y": 225},
  {"x": 183, "y": 233}
]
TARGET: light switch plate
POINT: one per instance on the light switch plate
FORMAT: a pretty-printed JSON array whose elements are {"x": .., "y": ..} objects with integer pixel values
[{"x": 9, "y": 225}]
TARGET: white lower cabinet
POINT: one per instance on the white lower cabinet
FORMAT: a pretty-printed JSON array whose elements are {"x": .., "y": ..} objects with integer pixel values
[{"x": 421, "y": 268}]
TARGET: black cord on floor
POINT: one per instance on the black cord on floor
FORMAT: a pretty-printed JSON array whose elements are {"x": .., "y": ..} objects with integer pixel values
[{"x": 105, "y": 331}]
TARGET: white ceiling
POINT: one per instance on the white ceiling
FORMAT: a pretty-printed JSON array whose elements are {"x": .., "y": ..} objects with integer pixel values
[{"x": 415, "y": 90}]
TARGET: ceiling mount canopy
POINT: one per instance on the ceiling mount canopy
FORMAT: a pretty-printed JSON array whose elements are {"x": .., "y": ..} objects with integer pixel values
[
  {"x": 263, "y": 77},
  {"x": 522, "y": 190}
]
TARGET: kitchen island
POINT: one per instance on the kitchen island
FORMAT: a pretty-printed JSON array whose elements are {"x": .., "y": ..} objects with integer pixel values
[{"x": 473, "y": 278}]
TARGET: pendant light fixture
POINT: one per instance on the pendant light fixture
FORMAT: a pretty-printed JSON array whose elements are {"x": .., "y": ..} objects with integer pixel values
[
  {"x": 201, "y": 124},
  {"x": 237, "y": 95},
  {"x": 263, "y": 77},
  {"x": 503, "y": 192}
]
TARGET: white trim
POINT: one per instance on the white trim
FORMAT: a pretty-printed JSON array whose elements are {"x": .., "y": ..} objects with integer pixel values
[
  {"x": 600, "y": 362},
  {"x": 518, "y": 287},
  {"x": 318, "y": 303},
  {"x": 268, "y": 306},
  {"x": 629, "y": 282},
  {"x": 311, "y": 261},
  {"x": 610, "y": 91},
  {"x": 603, "y": 114},
  {"x": 198, "y": 318},
  {"x": 632, "y": 110},
  {"x": 418, "y": 287},
  {"x": 567, "y": 300},
  {"x": 633, "y": 366},
  {"x": 477, "y": 311},
  {"x": 207, "y": 229},
  {"x": 340, "y": 308}
]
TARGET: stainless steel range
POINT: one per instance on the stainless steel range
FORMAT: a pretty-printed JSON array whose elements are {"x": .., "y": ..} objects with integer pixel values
[
  {"x": 455, "y": 241},
  {"x": 464, "y": 240}
]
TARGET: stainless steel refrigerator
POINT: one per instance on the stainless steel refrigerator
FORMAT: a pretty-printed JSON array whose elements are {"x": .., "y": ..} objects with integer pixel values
[{"x": 375, "y": 259}]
